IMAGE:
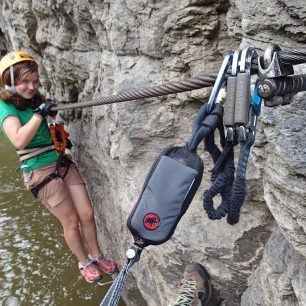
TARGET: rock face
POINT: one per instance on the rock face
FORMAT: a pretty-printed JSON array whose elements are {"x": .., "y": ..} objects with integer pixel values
[{"x": 96, "y": 48}]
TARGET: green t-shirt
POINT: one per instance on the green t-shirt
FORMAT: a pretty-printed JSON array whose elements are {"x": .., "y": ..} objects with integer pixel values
[{"x": 42, "y": 137}]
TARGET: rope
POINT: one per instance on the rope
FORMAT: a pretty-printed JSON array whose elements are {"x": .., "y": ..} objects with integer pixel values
[
  {"x": 222, "y": 178},
  {"x": 198, "y": 82},
  {"x": 239, "y": 186},
  {"x": 291, "y": 57}
]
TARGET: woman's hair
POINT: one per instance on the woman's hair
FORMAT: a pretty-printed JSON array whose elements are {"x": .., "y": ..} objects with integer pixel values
[{"x": 20, "y": 70}]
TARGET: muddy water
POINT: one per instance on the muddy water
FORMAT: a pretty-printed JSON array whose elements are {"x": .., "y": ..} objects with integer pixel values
[{"x": 36, "y": 267}]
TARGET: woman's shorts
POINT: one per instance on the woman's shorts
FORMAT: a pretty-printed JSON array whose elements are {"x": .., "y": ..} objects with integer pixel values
[{"x": 57, "y": 189}]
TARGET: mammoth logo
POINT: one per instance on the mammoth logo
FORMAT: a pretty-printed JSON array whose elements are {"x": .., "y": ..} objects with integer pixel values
[{"x": 151, "y": 221}]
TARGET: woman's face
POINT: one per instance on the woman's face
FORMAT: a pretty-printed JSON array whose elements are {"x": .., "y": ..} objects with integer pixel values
[{"x": 28, "y": 85}]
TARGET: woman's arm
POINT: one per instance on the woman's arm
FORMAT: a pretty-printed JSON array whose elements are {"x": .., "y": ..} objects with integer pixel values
[{"x": 21, "y": 136}]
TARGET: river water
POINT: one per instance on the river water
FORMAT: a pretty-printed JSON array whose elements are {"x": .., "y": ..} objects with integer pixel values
[{"x": 36, "y": 266}]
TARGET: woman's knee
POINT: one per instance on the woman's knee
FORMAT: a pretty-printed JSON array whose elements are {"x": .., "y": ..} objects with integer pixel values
[
  {"x": 87, "y": 216},
  {"x": 71, "y": 222}
]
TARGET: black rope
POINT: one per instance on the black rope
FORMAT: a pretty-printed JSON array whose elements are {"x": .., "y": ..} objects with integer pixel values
[
  {"x": 239, "y": 186},
  {"x": 222, "y": 178},
  {"x": 237, "y": 199}
]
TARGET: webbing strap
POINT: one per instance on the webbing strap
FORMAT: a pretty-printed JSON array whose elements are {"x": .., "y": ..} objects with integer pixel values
[
  {"x": 62, "y": 161},
  {"x": 30, "y": 150},
  {"x": 113, "y": 295},
  {"x": 43, "y": 183},
  {"x": 204, "y": 125},
  {"x": 34, "y": 152}
]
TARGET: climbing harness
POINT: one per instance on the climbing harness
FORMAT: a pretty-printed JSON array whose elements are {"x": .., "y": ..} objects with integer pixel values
[
  {"x": 61, "y": 142},
  {"x": 63, "y": 161},
  {"x": 32, "y": 152}
]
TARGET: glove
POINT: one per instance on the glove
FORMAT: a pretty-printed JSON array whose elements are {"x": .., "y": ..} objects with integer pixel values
[{"x": 44, "y": 109}]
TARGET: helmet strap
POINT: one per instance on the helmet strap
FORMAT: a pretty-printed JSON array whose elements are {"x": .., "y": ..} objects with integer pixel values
[
  {"x": 12, "y": 76},
  {"x": 11, "y": 88}
]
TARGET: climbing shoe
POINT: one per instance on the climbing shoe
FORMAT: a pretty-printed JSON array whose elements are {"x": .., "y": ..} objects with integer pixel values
[
  {"x": 90, "y": 272},
  {"x": 195, "y": 288},
  {"x": 106, "y": 265}
]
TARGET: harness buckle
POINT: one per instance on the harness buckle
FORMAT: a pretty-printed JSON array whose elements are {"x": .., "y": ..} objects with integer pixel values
[
  {"x": 50, "y": 121},
  {"x": 30, "y": 172}
]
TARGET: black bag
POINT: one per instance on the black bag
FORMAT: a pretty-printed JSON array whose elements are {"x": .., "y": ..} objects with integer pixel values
[{"x": 167, "y": 192}]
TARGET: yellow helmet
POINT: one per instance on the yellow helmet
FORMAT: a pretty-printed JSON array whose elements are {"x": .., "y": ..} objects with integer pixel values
[{"x": 13, "y": 58}]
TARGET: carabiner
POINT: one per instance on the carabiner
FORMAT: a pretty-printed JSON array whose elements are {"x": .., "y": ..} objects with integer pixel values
[
  {"x": 28, "y": 173},
  {"x": 219, "y": 81}
]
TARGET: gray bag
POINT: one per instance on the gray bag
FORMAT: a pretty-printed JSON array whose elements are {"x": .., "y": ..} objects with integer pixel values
[{"x": 167, "y": 192}]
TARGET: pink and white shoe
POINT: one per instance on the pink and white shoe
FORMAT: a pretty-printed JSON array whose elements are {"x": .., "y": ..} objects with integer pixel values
[
  {"x": 106, "y": 265},
  {"x": 90, "y": 272}
]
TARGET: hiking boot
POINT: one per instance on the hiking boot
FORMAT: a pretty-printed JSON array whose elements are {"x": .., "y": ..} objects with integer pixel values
[
  {"x": 106, "y": 265},
  {"x": 196, "y": 288},
  {"x": 90, "y": 272}
]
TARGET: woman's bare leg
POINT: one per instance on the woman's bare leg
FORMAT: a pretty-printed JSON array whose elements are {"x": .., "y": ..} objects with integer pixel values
[
  {"x": 67, "y": 214},
  {"x": 85, "y": 212}
]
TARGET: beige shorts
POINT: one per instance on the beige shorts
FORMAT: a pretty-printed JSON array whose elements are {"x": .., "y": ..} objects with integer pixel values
[{"x": 57, "y": 189}]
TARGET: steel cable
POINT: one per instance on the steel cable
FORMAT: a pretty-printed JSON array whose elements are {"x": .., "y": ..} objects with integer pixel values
[
  {"x": 146, "y": 92},
  {"x": 291, "y": 57}
]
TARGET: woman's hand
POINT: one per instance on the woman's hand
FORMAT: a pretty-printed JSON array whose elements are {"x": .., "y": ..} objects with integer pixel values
[{"x": 44, "y": 109}]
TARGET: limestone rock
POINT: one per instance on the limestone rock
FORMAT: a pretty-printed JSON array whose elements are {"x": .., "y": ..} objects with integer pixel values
[
  {"x": 282, "y": 273},
  {"x": 96, "y": 48}
]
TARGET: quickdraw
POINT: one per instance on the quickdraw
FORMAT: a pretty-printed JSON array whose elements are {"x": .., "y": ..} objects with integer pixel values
[{"x": 59, "y": 137}]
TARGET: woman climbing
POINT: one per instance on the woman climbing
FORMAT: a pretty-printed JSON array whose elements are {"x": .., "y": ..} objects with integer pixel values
[{"x": 48, "y": 173}]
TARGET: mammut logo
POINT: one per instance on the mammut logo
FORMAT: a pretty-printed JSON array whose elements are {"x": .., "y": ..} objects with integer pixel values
[{"x": 151, "y": 221}]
